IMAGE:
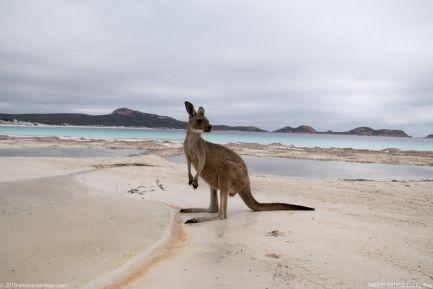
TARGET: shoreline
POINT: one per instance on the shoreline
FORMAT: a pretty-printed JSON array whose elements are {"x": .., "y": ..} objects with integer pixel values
[
  {"x": 53, "y": 202},
  {"x": 330, "y": 132},
  {"x": 164, "y": 148},
  {"x": 86, "y": 126},
  {"x": 138, "y": 266}
]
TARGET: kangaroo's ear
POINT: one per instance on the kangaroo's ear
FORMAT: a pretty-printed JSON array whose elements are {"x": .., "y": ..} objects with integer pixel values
[
  {"x": 200, "y": 110},
  {"x": 190, "y": 108}
]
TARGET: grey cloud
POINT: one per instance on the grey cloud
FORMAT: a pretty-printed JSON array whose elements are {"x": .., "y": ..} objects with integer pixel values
[{"x": 333, "y": 65}]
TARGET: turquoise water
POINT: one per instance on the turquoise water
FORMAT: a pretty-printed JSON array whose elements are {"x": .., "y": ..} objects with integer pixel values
[
  {"x": 68, "y": 152},
  {"x": 305, "y": 140}
]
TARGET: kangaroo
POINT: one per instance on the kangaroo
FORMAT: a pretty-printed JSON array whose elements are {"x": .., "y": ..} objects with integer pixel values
[{"x": 221, "y": 168}]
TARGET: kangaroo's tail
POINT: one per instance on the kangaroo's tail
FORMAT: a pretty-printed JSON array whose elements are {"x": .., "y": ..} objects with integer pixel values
[{"x": 252, "y": 203}]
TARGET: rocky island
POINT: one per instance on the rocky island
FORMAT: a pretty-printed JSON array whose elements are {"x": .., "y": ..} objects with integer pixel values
[
  {"x": 299, "y": 129},
  {"x": 379, "y": 132},
  {"x": 357, "y": 131}
]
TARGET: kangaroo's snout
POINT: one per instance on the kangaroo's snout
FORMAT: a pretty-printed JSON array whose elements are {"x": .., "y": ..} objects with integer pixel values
[{"x": 209, "y": 128}]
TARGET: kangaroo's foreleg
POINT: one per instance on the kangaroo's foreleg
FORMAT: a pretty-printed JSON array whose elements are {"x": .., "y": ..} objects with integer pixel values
[
  {"x": 213, "y": 206},
  {"x": 200, "y": 166},
  {"x": 190, "y": 178}
]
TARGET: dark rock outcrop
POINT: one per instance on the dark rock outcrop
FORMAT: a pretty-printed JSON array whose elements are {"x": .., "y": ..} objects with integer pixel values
[
  {"x": 379, "y": 132},
  {"x": 299, "y": 129},
  {"x": 240, "y": 128},
  {"x": 356, "y": 131}
]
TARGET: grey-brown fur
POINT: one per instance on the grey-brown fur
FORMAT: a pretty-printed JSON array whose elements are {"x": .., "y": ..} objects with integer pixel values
[{"x": 221, "y": 168}]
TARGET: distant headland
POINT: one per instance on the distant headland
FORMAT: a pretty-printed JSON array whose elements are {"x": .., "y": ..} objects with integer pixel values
[
  {"x": 125, "y": 117},
  {"x": 368, "y": 131}
]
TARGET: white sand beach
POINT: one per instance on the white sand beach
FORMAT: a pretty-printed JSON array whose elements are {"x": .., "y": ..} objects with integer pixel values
[
  {"x": 56, "y": 230},
  {"x": 75, "y": 221}
]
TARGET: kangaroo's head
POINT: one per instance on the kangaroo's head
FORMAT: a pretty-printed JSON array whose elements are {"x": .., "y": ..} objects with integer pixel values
[{"x": 197, "y": 121}]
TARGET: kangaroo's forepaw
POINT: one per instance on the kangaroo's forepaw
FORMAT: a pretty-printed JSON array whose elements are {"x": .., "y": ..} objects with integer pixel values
[
  {"x": 190, "y": 182},
  {"x": 195, "y": 186},
  {"x": 191, "y": 221}
]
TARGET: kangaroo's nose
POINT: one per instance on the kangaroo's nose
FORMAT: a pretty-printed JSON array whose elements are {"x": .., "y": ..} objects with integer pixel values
[{"x": 209, "y": 127}]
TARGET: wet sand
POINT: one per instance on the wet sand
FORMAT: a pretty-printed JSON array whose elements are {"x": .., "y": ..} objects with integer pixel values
[
  {"x": 385, "y": 156},
  {"x": 57, "y": 230},
  {"x": 361, "y": 232}
]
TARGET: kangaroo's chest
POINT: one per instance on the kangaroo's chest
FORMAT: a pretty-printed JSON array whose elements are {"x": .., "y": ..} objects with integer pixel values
[
  {"x": 209, "y": 171},
  {"x": 194, "y": 160},
  {"x": 192, "y": 153}
]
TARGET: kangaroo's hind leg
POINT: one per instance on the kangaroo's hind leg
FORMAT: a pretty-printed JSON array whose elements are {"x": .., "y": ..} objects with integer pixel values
[
  {"x": 218, "y": 216},
  {"x": 230, "y": 178},
  {"x": 213, "y": 206},
  {"x": 224, "y": 198}
]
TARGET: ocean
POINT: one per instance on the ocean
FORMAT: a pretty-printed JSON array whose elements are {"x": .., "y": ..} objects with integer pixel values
[{"x": 304, "y": 140}]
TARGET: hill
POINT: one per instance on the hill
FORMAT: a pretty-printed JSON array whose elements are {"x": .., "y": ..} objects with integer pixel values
[
  {"x": 299, "y": 129},
  {"x": 380, "y": 132},
  {"x": 119, "y": 117},
  {"x": 240, "y": 128},
  {"x": 356, "y": 131}
]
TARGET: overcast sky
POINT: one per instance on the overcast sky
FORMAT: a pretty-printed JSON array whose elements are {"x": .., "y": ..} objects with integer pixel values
[{"x": 329, "y": 64}]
